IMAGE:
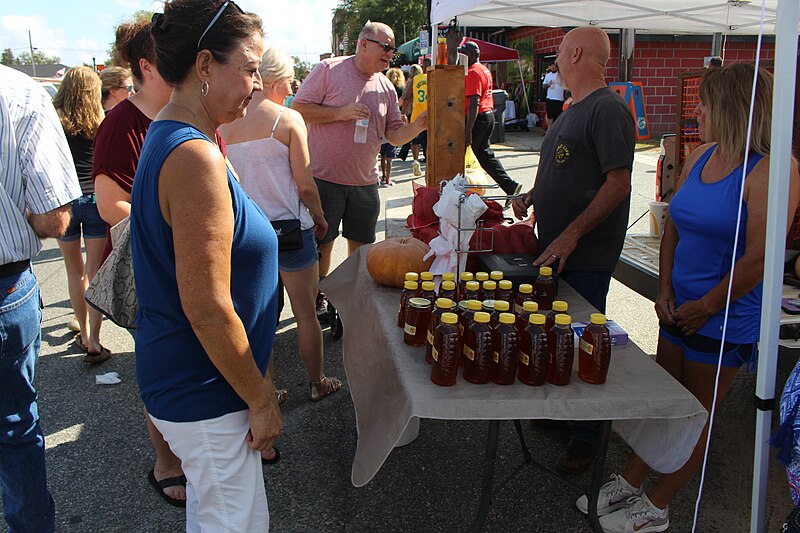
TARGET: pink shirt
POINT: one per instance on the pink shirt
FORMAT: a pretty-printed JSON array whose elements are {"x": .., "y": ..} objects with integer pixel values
[{"x": 334, "y": 155}]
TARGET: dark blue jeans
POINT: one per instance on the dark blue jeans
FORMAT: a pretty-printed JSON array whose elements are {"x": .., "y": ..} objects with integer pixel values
[
  {"x": 27, "y": 504},
  {"x": 593, "y": 287}
]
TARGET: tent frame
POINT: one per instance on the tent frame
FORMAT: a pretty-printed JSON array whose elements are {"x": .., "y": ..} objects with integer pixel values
[{"x": 784, "y": 18}]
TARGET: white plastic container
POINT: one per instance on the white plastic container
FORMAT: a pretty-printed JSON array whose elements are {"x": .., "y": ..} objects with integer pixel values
[{"x": 362, "y": 126}]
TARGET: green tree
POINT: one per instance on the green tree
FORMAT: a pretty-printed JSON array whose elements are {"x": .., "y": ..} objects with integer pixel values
[
  {"x": 410, "y": 14},
  {"x": 7, "y": 57},
  {"x": 301, "y": 68},
  {"x": 41, "y": 58}
]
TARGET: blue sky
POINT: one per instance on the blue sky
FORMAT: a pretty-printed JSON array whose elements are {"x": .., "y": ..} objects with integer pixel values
[{"x": 77, "y": 30}]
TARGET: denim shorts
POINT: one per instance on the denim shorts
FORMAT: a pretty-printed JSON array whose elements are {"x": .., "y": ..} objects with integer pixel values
[
  {"x": 705, "y": 350},
  {"x": 85, "y": 219},
  {"x": 297, "y": 260}
]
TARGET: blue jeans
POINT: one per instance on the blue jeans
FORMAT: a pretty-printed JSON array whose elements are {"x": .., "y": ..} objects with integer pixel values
[
  {"x": 27, "y": 503},
  {"x": 593, "y": 287}
]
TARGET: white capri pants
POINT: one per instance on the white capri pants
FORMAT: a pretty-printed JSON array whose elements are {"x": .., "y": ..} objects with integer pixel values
[{"x": 225, "y": 483}]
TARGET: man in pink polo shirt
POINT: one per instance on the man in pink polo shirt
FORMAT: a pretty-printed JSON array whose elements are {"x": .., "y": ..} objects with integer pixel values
[{"x": 339, "y": 92}]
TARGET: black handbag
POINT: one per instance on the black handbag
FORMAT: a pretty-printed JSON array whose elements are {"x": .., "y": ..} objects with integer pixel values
[{"x": 289, "y": 235}]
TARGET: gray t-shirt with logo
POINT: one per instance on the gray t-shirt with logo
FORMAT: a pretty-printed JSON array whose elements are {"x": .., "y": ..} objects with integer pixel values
[{"x": 591, "y": 138}]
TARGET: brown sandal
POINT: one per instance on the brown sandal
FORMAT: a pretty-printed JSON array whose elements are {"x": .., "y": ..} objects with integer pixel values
[{"x": 321, "y": 389}]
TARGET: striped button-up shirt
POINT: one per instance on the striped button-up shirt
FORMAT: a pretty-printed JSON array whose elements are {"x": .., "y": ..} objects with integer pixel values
[{"x": 37, "y": 174}]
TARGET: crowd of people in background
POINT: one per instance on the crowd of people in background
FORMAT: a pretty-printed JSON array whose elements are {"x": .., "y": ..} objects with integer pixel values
[{"x": 236, "y": 181}]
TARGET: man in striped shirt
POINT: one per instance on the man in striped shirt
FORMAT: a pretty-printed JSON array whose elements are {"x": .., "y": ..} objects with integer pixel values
[{"x": 37, "y": 184}]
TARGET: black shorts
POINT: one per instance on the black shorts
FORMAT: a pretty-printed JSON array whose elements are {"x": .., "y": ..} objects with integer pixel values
[
  {"x": 355, "y": 207},
  {"x": 554, "y": 108},
  {"x": 702, "y": 349}
]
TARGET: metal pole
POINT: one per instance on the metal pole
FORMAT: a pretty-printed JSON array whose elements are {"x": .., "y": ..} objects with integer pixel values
[
  {"x": 777, "y": 207},
  {"x": 33, "y": 58},
  {"x": 716, "y": 44}
]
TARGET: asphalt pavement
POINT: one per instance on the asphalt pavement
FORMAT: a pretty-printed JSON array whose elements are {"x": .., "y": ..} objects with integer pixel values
[{"x": 98, "y": 453}]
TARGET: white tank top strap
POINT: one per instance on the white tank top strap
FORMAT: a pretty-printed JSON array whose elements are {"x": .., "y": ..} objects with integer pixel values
[{"x": 277, "y": 119}]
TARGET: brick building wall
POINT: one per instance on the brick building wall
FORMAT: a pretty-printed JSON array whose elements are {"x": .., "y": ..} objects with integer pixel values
[{"x": 656, "y": 65}]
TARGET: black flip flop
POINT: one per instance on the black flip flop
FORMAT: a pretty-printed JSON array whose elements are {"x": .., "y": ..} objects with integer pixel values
[
  {"x": 274, "y": 459},
  {"x": 166, "y": 483}
]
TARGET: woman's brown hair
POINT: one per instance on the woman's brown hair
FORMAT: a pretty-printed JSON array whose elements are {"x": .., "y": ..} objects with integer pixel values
[
  {"x": 78, "y": 102},
  {"x": 113, "y": 78},
  {"x": 187, "y": 26},
  {"x": 726, "y": 91},
  {"x": 133, "y": 43}
]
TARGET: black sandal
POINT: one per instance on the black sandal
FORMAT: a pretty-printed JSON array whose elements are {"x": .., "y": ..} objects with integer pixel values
[{"x": 166, "y": 483}]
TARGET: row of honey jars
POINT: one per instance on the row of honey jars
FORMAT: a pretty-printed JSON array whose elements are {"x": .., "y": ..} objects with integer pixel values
[{"x": 495, "y": 349}]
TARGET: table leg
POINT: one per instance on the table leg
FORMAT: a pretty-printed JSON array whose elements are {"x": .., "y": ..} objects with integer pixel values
[
  {"x": 488, "y": 477},
  {"x": 525, "y": 451},
  {"x": 597, "y": 476}
]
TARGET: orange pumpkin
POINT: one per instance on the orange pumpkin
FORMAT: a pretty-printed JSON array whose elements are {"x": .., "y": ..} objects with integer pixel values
[{"x": 389, "y": 260}]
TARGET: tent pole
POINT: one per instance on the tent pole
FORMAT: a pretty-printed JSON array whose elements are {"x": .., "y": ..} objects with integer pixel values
[
  {"x": 777, "y": 207},
  {"x": 524, "y": 90}
]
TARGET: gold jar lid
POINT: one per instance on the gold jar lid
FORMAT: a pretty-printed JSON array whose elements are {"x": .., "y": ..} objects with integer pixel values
[
  {"x": 481, "y": 317},
  {"x": 537, "y": 318},
  {"x": 501, "y": 305},
  {"x": 530, "y": 307}
]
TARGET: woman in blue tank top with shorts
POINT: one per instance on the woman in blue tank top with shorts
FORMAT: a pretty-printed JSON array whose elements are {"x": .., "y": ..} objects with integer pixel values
[
  {"x": 206, "y": 267},
  {"x": 695, "y": 264}
]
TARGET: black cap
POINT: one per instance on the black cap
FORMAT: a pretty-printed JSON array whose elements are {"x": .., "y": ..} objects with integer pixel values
[{"x": 469, "y": 47}]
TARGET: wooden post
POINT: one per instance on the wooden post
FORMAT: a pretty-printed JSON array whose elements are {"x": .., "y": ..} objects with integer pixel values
[{"x": 446, "y": 120}]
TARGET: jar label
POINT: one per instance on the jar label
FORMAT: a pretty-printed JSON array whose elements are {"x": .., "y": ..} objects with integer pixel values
[
  {"x": 435, "y": 354},
  {"x": 586, "y": 347},
  {"x": 430, "y": 338},
  {"x": 411, "y": 330},
  {"x": 469, "y": 353},
  {"x": 524, "y": 358},
  {"x": 496, "y": 357},
  {"x": 517, "y": 309}
]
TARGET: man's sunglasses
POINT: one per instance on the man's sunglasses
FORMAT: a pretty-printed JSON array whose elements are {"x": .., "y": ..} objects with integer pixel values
[{"x": 387, "y": 48}]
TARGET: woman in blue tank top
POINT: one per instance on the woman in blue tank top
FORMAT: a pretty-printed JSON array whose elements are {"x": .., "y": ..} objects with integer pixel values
[
  {"x": 206, "y": 267},
  {"x": 695, "y": 264}
]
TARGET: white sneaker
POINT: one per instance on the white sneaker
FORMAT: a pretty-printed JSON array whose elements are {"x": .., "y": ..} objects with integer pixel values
[
  {"x": 417, "y": 169},
  {"x": 640, "y": 516},
  {"x": 612, "y": 496}
]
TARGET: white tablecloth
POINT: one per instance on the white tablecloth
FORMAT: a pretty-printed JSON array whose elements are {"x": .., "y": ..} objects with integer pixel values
[{"x": 390, "y": 383}]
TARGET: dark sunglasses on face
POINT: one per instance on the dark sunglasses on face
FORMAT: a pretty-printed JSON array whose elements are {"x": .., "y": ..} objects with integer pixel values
[
  {"x": 128, "y": 88},
  {"x": 387, "y": 48}
]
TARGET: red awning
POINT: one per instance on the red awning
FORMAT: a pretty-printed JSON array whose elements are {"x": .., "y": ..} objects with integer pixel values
[{"x": 491, "y": 52}]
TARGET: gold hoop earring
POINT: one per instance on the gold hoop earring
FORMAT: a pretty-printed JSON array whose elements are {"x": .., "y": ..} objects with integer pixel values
[{"x": 204, "y": 88}]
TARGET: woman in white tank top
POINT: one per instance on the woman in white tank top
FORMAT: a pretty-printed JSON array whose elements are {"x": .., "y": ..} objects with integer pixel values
[{"x": 269, "y": 151}]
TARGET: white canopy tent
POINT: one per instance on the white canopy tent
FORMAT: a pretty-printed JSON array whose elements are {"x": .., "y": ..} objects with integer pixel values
[{"x": 731, "y": 17}]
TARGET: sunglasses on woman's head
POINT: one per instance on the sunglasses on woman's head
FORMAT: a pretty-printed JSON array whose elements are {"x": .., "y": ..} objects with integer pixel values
[{"x": 221, "y": 10}]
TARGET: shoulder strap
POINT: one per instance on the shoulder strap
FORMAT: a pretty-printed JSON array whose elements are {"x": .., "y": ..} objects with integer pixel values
[{"x": 275, "y": 125}]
